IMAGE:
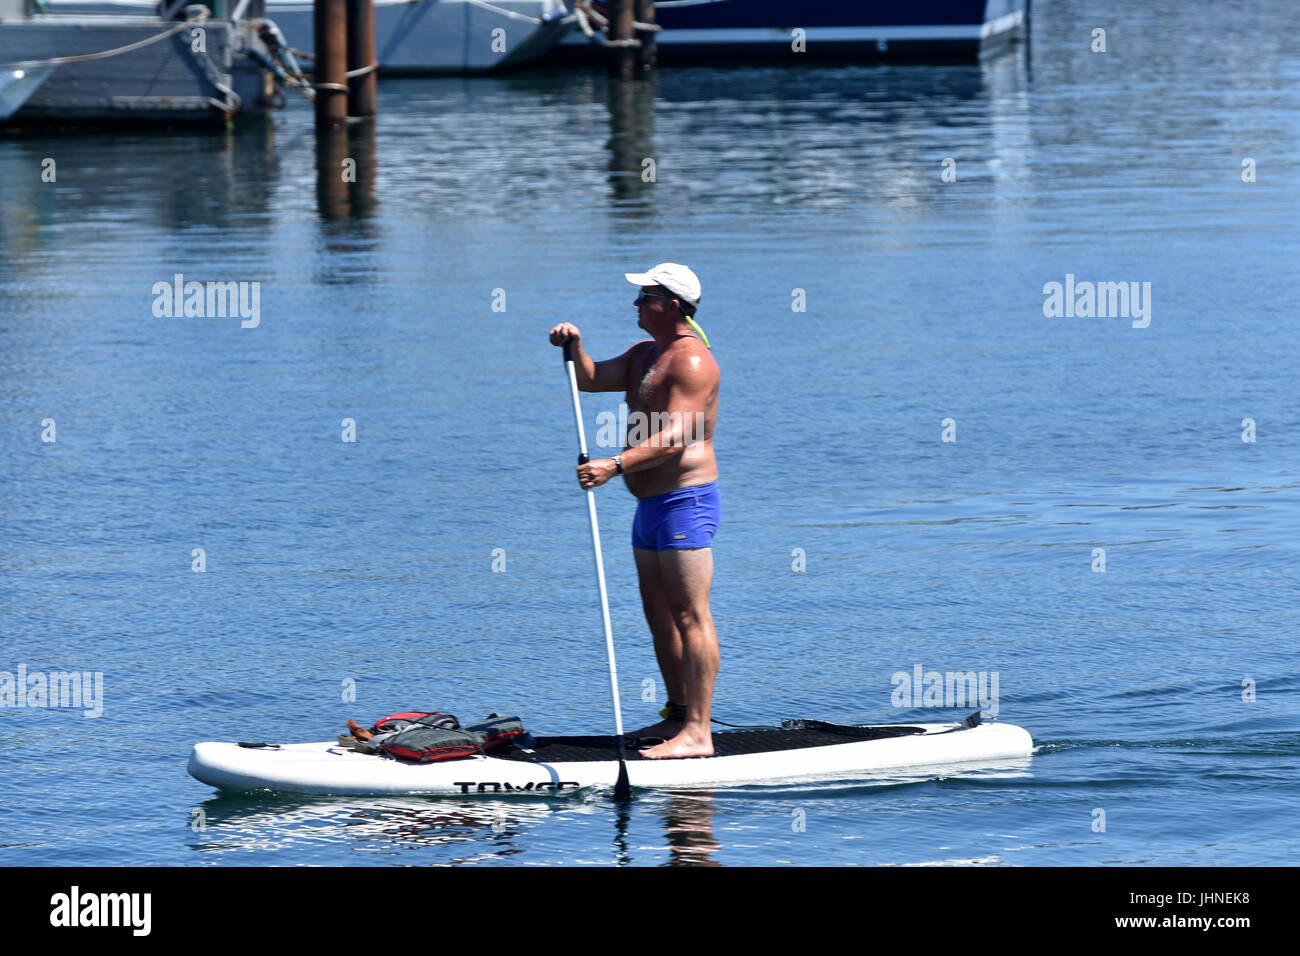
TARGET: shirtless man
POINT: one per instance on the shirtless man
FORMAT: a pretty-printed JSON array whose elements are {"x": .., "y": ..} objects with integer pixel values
[{"x": 671, "y": 382}]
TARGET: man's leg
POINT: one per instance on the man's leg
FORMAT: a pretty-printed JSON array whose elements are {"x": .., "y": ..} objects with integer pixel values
[
  {"x": 686, "y": 576},
  {"x": 667, "y": 639}
]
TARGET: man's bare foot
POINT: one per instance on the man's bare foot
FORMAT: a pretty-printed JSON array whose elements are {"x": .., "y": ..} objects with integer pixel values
[
  {"x": 667, "y": 729},
  {"x": 689, "y": 743}
]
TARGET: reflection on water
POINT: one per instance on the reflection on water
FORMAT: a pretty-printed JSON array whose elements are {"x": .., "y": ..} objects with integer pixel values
[
  {"x": 673, "y": 828},
  {"x": 633, "y": 169},
  {"x": 237, "y": 823},
  {"x": 688, "y": 825},
  {"x": 822, "y": 136},
  {"x": 462, "y": 832},
  {"x": 347, "y": 164}
]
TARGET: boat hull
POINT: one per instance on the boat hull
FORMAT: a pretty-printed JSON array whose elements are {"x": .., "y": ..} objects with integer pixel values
[
  {"x": 719, "y": 30},
  {"x": 164, "y": 82},
  {"x": 430, "y": 37}
]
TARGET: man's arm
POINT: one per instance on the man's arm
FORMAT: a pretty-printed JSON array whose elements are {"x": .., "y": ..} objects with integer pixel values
[
  {"x": 611, "y": 374},
  {"x": 607, "y": 376}
]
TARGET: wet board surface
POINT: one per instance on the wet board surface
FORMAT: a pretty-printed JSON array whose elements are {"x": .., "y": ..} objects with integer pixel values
[{"x": 728, "y": 743}]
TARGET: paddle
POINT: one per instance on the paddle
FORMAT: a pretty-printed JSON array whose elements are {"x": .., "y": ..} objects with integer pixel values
[{"x": 622, "y": 788}]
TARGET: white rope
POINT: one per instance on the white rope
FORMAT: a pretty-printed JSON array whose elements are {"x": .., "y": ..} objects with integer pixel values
[
  {"x": 83, "y": 57},
  {"x": 596, "y": 16},
  {"x": 585, "y": 11},
  {"x": 506, "y": 13}
]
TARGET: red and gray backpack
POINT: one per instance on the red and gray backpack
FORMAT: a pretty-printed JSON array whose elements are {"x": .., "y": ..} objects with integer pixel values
[{"x": 429, "y": 736}]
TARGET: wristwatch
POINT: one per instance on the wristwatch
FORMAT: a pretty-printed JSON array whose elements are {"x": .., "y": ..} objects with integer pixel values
[{"x": 618, "y": 463}]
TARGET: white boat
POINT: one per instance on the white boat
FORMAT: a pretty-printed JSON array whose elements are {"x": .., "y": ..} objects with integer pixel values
[
  {"x": 445, "y": 36},
  {"x": 136, "y": 67},
  {"x": 415, "y": 36},
  {"x": 807, "y": 751}
]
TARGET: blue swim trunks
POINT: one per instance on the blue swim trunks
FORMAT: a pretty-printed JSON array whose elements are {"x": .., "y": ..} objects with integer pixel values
[{"x": 681, "y": 518}]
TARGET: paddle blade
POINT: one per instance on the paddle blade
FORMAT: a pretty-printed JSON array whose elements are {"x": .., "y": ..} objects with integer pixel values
[{"x": 622, "y": 787}]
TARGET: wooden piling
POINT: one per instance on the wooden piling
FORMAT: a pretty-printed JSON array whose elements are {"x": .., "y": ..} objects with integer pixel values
[
  {"x": 329, "y": 21},
  {"x": 361, "y": 56},
  {"x": 647, "y": 53},
  {"x": 621, "y": 34}
]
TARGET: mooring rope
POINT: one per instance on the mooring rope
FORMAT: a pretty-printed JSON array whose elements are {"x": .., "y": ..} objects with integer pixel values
[
  {"x": 506, "y": 13},
  {"x": 586, "y": 12},
  {"x": 83, "y": 57}
]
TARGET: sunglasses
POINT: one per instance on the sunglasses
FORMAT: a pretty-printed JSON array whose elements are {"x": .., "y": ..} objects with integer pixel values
[{"x": 650, "y": 295}]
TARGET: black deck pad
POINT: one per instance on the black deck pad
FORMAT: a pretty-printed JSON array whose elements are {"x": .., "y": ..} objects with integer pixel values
[{"x": 725, "y": 743}]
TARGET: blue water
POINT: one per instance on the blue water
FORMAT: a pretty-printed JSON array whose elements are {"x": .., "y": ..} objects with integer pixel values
[{"x": 366, "y": 568}]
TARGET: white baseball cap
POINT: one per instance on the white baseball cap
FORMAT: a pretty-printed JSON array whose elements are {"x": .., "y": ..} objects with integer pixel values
[{"x": 673, "y": 277}]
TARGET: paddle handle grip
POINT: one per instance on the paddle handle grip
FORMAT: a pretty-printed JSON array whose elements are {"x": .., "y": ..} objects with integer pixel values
[{"x": 583, "y": 457}]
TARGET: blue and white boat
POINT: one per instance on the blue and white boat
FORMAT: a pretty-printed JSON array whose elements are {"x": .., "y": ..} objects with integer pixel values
[
  {"x": 714, "y": 30},
  {"x": 412, "y": 36},
  {"x": 445, "y": 36},
  {"x": 121, "y": 66}
]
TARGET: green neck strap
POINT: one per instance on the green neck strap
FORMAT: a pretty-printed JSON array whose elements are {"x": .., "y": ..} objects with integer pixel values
[{"x": 698, "y": 331}]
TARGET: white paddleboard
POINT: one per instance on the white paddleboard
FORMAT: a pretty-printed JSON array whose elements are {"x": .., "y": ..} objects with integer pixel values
[{"x": 563, "y": 764}]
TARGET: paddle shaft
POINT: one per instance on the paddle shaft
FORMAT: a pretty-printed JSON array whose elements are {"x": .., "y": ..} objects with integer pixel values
[{"x": 621, "y": 789}]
